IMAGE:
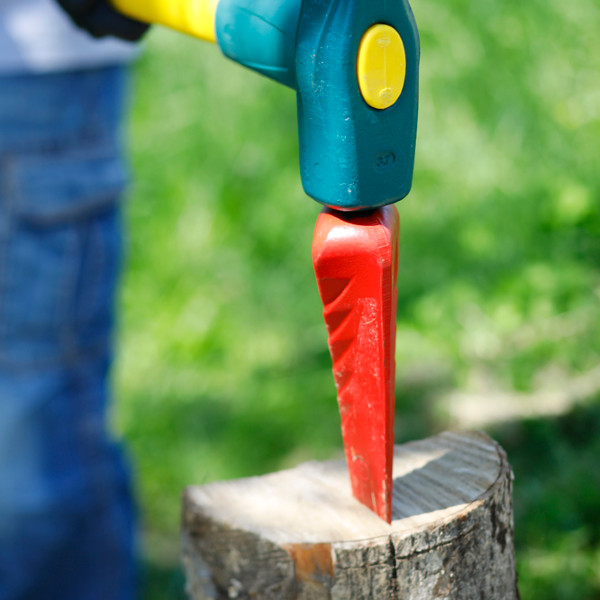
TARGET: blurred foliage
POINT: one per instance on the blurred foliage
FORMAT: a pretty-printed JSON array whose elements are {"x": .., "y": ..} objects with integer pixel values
[
  {"x": 557, "y": 497},
  {"x": 223, "y": 368}
]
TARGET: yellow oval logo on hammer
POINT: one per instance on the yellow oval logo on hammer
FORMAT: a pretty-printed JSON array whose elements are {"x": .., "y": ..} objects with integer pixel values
[{"x": 381, "y": 66}]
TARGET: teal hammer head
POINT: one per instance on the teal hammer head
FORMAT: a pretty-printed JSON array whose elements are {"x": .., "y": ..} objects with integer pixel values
[{"x": 354, "y": 65}]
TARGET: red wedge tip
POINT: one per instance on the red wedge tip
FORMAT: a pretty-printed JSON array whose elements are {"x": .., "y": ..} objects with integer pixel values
[{"x": 355, "y": 256}]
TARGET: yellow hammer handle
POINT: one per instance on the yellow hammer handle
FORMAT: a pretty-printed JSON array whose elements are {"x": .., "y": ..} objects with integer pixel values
[{"x": 194, "y": 17}]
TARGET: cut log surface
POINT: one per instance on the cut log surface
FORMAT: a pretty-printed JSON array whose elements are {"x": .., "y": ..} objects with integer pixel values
[{"x": 300, "y": 535}]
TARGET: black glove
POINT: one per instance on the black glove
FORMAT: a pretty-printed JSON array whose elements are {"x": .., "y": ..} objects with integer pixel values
[{"x": 100, "y": 19}]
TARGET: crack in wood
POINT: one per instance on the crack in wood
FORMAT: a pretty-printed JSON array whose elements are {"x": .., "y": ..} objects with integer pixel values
[
  {"x": 394, "y": 565},
  {"x": 449, "y": 542}
]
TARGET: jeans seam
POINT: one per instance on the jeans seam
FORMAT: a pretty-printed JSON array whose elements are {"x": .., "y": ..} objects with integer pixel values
[
  {"x": 95, "y": 261},
  {"x": 66, "y": 292},
  {"x": 6, "y": 189},
  {"x": 96, "y": 489}
]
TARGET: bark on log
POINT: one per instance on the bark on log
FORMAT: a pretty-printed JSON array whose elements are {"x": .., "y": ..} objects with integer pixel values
[{"x": 300, "y": 535}]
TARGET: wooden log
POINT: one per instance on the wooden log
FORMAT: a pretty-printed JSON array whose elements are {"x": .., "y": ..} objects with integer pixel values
[{"x": 300, "y": 535}]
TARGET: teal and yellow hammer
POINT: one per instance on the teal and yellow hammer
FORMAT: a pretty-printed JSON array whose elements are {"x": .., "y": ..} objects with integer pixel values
[{"x": 354, "y": 65}]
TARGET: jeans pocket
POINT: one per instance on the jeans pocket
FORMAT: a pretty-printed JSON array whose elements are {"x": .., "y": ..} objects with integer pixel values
[
  {"x": 67, "y": 187},
  {"x": 60, "y": 251}
]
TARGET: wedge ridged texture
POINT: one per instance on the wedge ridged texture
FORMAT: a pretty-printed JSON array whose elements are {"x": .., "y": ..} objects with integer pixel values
[{"x": 355, "y": 256}]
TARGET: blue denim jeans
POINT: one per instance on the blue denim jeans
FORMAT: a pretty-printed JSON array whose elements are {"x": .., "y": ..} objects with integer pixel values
[{"x": 66, "y": 510}]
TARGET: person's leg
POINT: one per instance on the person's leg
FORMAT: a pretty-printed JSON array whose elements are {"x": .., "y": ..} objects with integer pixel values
[{"x": 66, "y": 510}]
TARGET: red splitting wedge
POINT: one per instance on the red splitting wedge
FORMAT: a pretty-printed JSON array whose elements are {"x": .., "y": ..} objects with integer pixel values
[{"x": 355, "y": 256}]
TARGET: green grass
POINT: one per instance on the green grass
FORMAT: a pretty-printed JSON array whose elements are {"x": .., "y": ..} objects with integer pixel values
[{"x": 223, "y": 369}]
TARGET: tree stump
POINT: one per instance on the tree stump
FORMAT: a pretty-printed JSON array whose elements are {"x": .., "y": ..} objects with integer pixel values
[{"x": 300, "y": 535}]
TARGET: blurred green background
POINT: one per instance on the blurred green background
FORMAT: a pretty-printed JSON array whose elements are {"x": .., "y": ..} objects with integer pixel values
[{"x": 223, "y": 368}]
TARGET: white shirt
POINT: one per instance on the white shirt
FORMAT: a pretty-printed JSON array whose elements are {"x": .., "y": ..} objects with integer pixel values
[{"x": 37, "y": 37}]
